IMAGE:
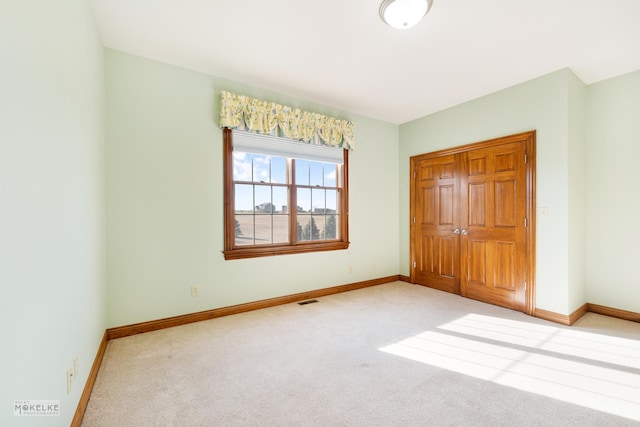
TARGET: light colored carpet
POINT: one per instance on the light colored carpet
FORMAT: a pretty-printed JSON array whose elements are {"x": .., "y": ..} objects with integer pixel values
[{"x": 390, "y": 355}]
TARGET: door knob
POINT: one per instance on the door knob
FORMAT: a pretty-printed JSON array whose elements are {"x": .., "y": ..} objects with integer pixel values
[
  {"x": 456, "y": 231},
  {"x": 464, "y": 232}
]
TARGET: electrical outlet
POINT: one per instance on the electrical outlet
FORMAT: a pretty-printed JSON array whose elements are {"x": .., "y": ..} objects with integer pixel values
[
  {"x": 195, "y": 291},
  {"x": 69, "y": 380}
]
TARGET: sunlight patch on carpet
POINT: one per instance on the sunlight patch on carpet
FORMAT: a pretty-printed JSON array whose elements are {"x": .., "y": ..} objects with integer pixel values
[{"x": 572, "y": 366}]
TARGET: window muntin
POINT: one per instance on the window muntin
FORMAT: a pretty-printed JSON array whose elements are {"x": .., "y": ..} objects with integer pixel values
[{"x": 260, "y": 190}]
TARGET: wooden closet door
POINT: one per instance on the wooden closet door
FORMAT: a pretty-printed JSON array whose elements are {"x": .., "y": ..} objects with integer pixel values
[
  {"x": 493, "y": 238},
  {"x": 473, "y": 221},
  {"x": 436, "y": 245}
]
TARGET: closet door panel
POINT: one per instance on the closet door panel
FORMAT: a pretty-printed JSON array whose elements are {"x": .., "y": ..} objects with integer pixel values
[
  {"x": 495, "y": 204},
  {"x": 437, "y": 201}
]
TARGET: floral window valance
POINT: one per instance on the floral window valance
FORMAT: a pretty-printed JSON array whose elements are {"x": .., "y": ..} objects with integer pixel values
[{"x": 242, "y": 112}]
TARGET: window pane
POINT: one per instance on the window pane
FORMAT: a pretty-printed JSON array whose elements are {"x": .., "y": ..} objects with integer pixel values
[
  {"x": 306, "y": 229},
  {"x": 263, "y": 199},
  {"x": 330, "y": 174},
  {"x": 261, "y": 168},
  {"x": 244, "y": 198},
  {"x": 280, "y": 199},
  {"x": 304, "y": 200},
  {"x": 302, "y": 172},
  {"x": 313, "y": 228},
  {"x": 280, "y": 229},
  {"x": 319, "y": 221},
  {"x": 278, "y": 170},
  {"x": 331, "y": 227},
  {"x": 263, "y": 229},
  {"x": 317, "y": 200},
  {"x": 331, "y": 201},
  {"x": 244, "y": 230},
  {"x": 241, "y": 166},
  {"x": 302, "y": 220},
  {"x": 316, "y": 173}
]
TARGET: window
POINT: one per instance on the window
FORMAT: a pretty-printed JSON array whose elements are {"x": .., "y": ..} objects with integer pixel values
[{"x": 283, "y": 197}]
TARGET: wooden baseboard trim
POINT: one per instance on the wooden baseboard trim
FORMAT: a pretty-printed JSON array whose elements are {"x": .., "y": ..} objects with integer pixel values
[
  {"x": 563, "y": 319},
  {"x": 88, "y": 387},
  {"x": 613, "y": 312},
  {"x": 405, "y": 278},
  {"x": 573, "y": 317},
  {"x": 154, "y": 325},
  {"x": 584, "y": 309}
]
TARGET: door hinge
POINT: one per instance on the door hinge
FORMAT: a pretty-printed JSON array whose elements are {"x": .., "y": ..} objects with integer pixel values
[
  {"x": 525, "y": 222},
  {"x": 414, "y": 219},
  {"x": 526, "y": 158},
  {"x": 414, "y": 174},
  {"x": 525, "y": 285},
  {"x": 414, "y": 264}
]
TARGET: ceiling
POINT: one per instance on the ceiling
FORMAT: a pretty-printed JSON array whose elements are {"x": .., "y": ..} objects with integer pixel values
[{"x": 340, "y": 54}]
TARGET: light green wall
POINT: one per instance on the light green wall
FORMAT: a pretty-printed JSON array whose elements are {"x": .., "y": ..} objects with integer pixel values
[
  {"x": 613, "y": 198},
  {"x": 52, "y": 291},
  {"x": 577, "y": 164},
  {"x": 541, "y": 104},
  {"x": 165, "y": 195}
]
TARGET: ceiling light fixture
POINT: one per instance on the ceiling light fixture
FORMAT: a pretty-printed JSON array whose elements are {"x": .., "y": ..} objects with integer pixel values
[{"x": 403, "y": 14}]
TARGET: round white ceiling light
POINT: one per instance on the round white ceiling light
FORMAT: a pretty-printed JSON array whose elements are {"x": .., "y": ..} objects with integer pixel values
[{"x": 403, "y": 14}]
